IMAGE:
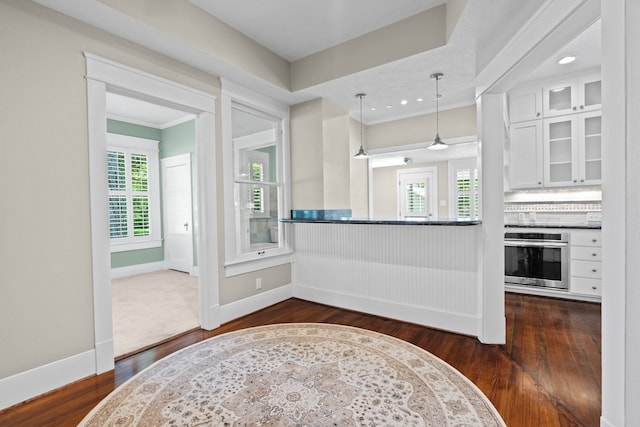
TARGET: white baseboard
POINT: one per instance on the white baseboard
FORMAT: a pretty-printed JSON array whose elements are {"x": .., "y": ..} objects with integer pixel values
[
  {"x": 253, "y": 303},
  {"x": 605, "y": 423},
  {"x": 105, "y": 359},
  {"x": 131, "y": 270},
  {"x": 452, "y": 322},
  {"x": 29, "y": 384}
]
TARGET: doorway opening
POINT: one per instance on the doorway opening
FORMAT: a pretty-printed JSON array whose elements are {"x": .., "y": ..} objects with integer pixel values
[{"x": 154, "y": 277}]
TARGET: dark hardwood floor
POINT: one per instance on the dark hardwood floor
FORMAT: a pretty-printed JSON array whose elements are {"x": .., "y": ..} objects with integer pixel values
[{"x": 547, "y": 374}]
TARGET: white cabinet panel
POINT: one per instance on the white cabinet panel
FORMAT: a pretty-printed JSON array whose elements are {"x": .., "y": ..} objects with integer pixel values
[
  {"x": 586, "y": 253},
  {"x": 525, "y": 104},
  {"x": 525, "y": 155},
  {"x": 586, "y": 286},
  {"x": 586, "y": 238},
  {"x": 589, "y": 269}
]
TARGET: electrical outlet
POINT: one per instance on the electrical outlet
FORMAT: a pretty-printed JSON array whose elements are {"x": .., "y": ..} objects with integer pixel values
[
  {"x": 594, "y": 216},
  {"x": 259, "y": 283}
]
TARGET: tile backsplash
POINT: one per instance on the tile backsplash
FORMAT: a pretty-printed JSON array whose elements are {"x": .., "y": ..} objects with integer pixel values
[{"x": 561, "y": 213}]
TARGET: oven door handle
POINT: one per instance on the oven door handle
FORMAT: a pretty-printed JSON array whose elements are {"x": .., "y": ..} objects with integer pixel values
[{"x": 528, "y": 243}]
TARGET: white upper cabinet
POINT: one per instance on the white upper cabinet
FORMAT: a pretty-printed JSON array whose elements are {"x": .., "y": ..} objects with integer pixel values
[
  {"x": 525, "y": 104},
  {"x": 525, "y": 155},
  {"x": 590, "y": 154},
  {"x": 572, "y": 150},
  {"x": 560, "y": 151},
  {"x": 589, "y": 93},
  {"x": 555, "y": 134},
  {"x": 572, "y": 96}
]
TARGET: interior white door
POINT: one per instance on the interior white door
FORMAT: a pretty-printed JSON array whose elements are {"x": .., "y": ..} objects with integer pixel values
[
  {"x": 416, "y": 194},
  {"x": 178, "y": 216}
]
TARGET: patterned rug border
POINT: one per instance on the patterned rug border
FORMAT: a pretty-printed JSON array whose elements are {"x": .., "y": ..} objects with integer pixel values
[{"x": 399, "y": 342}]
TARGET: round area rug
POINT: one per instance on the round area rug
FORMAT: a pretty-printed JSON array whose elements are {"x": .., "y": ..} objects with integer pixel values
[{"x": 299, "y": 374}]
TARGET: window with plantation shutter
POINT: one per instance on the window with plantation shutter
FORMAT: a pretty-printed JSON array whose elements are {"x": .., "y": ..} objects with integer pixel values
[
  {"x": 255, "y": 190},
  {"x": 134, "y": 200},
  {"x": 464, "y": 181},
  {"x": 415, "y": 197}
]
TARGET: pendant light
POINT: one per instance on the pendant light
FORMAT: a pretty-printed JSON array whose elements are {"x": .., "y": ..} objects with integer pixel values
[
  {"x": 361, "y": 154},
  {"x": 437, "y": 143}
]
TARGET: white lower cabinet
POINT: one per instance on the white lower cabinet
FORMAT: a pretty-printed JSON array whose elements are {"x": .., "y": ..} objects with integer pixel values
[{"x": 586, "y": 262}]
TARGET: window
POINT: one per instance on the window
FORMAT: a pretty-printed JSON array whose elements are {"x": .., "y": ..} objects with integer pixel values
[
  {"x": 134, "y": 198},
  {"x": 258, "y": 195},
  {"x": 415, "y": 198},
  {"x": 463, "y": 179},
  {"x": 254, "y": 143}
]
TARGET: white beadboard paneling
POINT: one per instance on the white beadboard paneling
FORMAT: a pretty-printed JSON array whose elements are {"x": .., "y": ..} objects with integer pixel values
[{"x": 422, "y": 274}]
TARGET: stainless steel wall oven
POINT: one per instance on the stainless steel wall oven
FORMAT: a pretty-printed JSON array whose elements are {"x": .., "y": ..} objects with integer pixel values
[{"x": 537, "y": 259}]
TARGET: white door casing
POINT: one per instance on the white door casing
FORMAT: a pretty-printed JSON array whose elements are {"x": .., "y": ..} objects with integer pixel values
[
  {"x": 177, "y": 210},
  {"x": 104, "y": 76}
]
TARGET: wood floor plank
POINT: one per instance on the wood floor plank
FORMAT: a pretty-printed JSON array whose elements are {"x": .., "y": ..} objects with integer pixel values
[{"x": 547, "y": 374}]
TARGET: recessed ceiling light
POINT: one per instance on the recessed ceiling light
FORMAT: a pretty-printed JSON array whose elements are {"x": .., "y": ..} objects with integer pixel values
[
  {"x": 566, "y": 60},
  {"x": 420, "y": 99},
  {"x": 403, "y": 102},
  {"x": 389, "y": 106},
  {"x": 373, "y": 108}
]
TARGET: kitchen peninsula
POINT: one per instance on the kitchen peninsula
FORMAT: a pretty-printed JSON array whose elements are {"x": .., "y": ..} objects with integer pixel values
[{"x": 417, "y": 270}]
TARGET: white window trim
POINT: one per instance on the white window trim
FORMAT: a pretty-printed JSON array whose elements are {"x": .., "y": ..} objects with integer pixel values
[
  {"x": 453, "y": 167},
  {"x": 235, "y": 263},
  {"x": 145, "y": 146}
]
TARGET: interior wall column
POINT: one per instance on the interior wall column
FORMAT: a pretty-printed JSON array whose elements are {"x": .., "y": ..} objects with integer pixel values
[
  {"x": 491, "y": 139},
  {"x": 620, "y": 220}
]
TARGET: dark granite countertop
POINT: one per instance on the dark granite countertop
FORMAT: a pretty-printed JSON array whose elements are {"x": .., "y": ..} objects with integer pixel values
[
  {"x": 417, "y": 221},
  {"x": 344, "y": 216},
  {"x": 593, "y": 226}
]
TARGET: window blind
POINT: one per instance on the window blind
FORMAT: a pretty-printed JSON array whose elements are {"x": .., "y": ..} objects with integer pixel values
[{"x": 415, "y": 199}]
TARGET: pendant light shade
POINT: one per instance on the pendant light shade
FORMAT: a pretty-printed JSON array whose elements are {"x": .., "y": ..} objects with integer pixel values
[
  {"x": 361, "y": 154},
  {"x": 437, "y": 143}
]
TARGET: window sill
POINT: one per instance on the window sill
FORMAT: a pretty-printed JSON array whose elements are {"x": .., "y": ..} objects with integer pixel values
[
  {"x": 134, "y": 246},
  {"x": 237, "y": 267}
]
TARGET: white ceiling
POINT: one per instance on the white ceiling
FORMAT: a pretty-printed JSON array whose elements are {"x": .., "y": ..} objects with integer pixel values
[
  {"x": 586, "y": 48},
  {"x": 294, "y": 29},
  {"x": 297, "y": 28}
]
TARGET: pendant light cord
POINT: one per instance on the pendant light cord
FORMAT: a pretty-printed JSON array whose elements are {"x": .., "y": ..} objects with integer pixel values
[
  {"x": 437, "y": 107},
  {"x": 360, "y": 95}
]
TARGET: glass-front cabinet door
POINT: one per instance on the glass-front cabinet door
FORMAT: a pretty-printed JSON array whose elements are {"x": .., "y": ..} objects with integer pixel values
[
  {"x": 573, "y": 150},
  {"x": 590, "y": 155},
  {"x": 572, "y": 96},
  {"x": 589, "y": 93},
  {"x": 560, "y": 98},
  {"x": 560, "y": 151}
]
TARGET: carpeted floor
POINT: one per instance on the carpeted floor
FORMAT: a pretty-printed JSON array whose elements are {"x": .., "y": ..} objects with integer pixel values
[
  {"x": 298, "y": 374},
  {"x": 149, "y": 308}
]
